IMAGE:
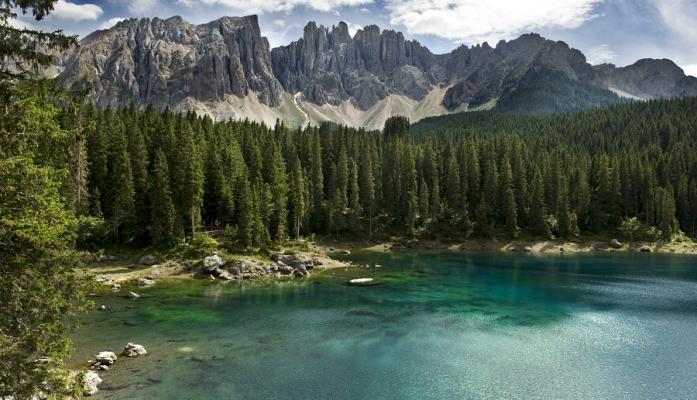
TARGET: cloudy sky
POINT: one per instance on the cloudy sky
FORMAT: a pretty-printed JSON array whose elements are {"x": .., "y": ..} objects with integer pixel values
[{"x": 616, "y": 31}]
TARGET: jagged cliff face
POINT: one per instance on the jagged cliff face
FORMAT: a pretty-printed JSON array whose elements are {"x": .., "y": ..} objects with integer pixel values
[
  {"x": 329, "y": 66},
  {"x": 164, "y": 62},
  {"x": 225, "y": 68}
]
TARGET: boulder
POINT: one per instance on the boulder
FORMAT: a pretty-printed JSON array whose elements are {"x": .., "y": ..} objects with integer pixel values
[
  {"x": 115, "y": 287},
  {"x": 645, "y": 249},
  {"x": 105, "y": 358},
  {"x": 134, "y": 350},
  {"x": 212, "y": 262},
  {"x": 616, "y": 244},
  {"x": 147, "y": 260},
  {"x": 527, "y": 249},
  {"x": 133, "y": 295},
  {"x": 90, "y": 383},
  {"x": 146, "y": 282},
  {"x": 222, "y": 274},
  {"x": 285, "y": 270},
  {"x": 240, "y": 267}
]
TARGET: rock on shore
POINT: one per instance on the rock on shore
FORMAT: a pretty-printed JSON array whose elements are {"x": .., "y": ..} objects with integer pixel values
[
  {"x": 284, "y": 265},
  {"x": 90, "y": 383}
]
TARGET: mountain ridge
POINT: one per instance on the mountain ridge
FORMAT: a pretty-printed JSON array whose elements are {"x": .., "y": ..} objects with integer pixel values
[{"x": 227, "y": 69}]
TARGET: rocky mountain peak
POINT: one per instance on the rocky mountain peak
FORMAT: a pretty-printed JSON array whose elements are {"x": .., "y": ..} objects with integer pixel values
[{"x": 170, "y": 62}]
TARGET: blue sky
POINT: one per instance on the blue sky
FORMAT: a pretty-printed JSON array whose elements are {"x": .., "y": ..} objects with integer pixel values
[{"x": 616, "y": 31}]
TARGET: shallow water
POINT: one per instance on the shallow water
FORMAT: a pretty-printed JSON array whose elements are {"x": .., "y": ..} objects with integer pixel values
[{"x": 442, "y": 325}]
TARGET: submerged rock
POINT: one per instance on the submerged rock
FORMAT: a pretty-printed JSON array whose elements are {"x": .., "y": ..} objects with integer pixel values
[
  {"x": 134, "y": 350},
  {"x": 362, "y": 282},
  {"x": 90, "y": 383},
  {"x": 133, "y": 295}
]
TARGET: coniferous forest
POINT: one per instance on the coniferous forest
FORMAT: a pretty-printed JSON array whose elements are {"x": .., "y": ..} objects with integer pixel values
[
  {"x": 76, "y": 179},
  {"x": 149, "y": 177}
]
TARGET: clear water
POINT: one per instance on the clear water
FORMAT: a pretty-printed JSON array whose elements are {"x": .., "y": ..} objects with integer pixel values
[{"x": 442, "y": 326}]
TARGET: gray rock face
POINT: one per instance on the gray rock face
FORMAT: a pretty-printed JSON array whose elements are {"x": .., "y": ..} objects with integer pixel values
[
  {"x": 329, "y": 66},
  {"x": 173, "y": 63},
  {"x": 648, "y": 79},
  {"x": 162, "y": 62},
  {"x": 482, "y": 73}
]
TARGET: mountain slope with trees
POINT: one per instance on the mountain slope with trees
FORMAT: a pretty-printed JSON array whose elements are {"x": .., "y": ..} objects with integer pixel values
[{"x": 482, "y": 174}]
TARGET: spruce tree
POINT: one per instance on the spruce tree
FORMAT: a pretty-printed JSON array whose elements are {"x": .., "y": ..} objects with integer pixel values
[
  {"x": 538, "y": 210},
  {"x": 297, "y": 196},
  {"x": 367, "y": 187},
  {"x": 162, "y": 213}
]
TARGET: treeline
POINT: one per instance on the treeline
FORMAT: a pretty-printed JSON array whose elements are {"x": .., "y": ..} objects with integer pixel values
[{"x": 153, "y": 177}]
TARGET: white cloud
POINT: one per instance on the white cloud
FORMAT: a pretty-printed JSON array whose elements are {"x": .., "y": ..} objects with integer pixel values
[
  {"x": 600, "y": 54},
  {"x": 264, "y": 6},
  {"x": 690, "y": 69},
  {"x": 76, "y": 12},
  {"x": 680, "y": 16},
  {"x": 142, "y": 6},
  {"x": 477, "y": 20},
  {"x": 353, "y": 28},
  {"x": 20, "y": 23},
  {"x": 110, "y": 22}
]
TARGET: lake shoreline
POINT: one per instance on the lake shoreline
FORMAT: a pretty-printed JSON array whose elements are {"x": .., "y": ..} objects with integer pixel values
[
  {"x": 531, "y": 246},
  {"x": 326, "y": 255}
]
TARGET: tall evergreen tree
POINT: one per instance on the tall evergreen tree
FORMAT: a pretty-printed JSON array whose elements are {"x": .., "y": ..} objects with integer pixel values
[{"x": 162, "y": 213}]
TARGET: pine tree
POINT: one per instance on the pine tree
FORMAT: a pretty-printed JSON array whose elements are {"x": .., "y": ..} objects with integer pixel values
[
  {"x": 509, "y": 205},
  {"x": 120, "y": 205},
  {"x": 246, "y": 211},
  {"x": 189, "y": 174},
  {"x": 367, "y": 187},
  {"x": 162, "y": 213},
  {"x": 279, "y": 181},
  {"x": 453, "y": 191},
  {"x": 538, "y": 210},
  {"x": 354, "y": 198},
  {"x": 297, "y": 196},
  {"x": 411, "y": 191},
  {"x": 564, "y": 217}
]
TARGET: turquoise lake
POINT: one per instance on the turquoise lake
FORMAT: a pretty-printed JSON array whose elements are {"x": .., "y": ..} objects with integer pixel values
[{"x": 443, "y": 325}]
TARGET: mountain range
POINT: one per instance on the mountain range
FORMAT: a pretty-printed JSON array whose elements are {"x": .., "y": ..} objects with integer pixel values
[{"x": 226, "y": 68}]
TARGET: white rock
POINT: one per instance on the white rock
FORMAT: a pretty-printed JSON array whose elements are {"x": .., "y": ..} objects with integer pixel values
[
  {"x": 133, "y": 295},
  {"x": 363, "y": 282},
  {"x": 90, "y": 383},
  {"x": 212, "y": 262},
  {"x": 106, "y": 357},
  {"x": 134, "y": 350}
]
